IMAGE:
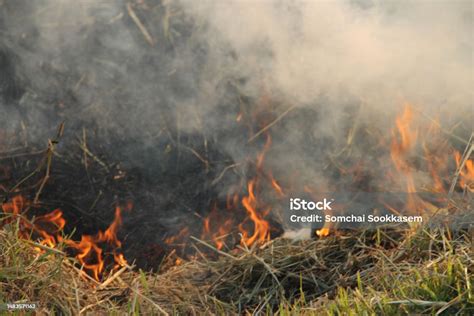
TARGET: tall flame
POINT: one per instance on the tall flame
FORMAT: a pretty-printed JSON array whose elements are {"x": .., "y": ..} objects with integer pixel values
[
  {"x": 261, "y": 229},
  {"x": 404, "y": 139},
  {"x": 403, "y": 142}
]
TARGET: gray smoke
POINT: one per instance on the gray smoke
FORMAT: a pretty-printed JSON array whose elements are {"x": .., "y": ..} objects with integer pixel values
[{"x": 136, "y": 70}]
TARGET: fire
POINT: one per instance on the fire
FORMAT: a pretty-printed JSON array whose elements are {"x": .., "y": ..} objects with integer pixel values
[
  {"x": 14, "y": 207},
  {"x": 256, "y": 213},
  {"x": 219, "y": 224},
  {"x": 436, "y": 164},
  {"x": 246, "y": 209},
  {"x": 323, "y": 232},
  {"x": 216, "y": 227},
  {"x": 277, "y": 187},
  {"x": 407, "y": 135},
  {"x": 48, "y": 228},
  {"x": 243, "y": 213},
  {"x": 177, "y": 238},
  {"x": 90, "y": 252},
  {"x": 54, "y": 219},
  {"x": 403, "y": 141},
  {"x": 110, "y": 235},
  {"x": 436, "y": 158},
  {"x": 466, "y": 172},
  {"x": 261, "y": 229}
]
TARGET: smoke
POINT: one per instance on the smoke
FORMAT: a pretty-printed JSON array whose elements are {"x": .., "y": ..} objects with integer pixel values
[
  {"x": 339, "y": 63},
  {"x": 382, "y": 53},
  {"x": 146, "y": 74}
]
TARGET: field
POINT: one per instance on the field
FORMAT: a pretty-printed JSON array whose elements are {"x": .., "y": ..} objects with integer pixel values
[
  {"x": 158, "y": 157},
  {"x": 387, "y": 272}
]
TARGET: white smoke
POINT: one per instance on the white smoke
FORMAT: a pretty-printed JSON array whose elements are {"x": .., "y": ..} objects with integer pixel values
[{"x": 382, "y": 53}]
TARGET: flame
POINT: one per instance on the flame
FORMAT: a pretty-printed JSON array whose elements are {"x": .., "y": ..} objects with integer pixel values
[
  {"x": 277, "y": 187},
  {"x": 110, "y": 235},
  {"x": 89, "y": 254},
  {"x": 14, "y": 207},
  {"x": 120, "y": 260},
  {"x": 172, "y": 240},
  {"x": 254, "y": 228},
  {"x": 218, "y": 224},
  {"x": 216, "y": 227},
  {"x": 47, "y": 229},
  {"x": 466, "y": 172},
  {"x": 261, "y": 229},
  {"x": 437, "y": 161},
  {"x": 323, "y": 232},
  {"x": 246, "y": 210},
  {"x": 89, "y": 251},
  {"x": 51, "y": 226},
  {"x": 435, "y": 165},
  {"x": 403, "y": 141}
]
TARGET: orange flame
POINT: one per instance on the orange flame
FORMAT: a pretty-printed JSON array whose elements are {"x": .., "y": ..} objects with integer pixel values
[
  {"x": 277, "y": 187},
  {"x": 261, "y": 230},
  {"x": 254, "y": 228},
  {"x": 435, "y": 165},
  {"x": 183, "y": 233},
  {"x": 216, "y": 228},
  {"x": 14, "y": 207},
  {"x": 403, "y": 141},
  {"x": 51, "y": 225},
  {"x": 323, "y": 232},
  {"x": 466, "y": 173},
  {"x": 90, "y": 254},
  {"x": 48, "y": 229}
]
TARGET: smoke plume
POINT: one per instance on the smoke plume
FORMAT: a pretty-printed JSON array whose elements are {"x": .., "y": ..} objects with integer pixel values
[{"x": 145, "y": 76}]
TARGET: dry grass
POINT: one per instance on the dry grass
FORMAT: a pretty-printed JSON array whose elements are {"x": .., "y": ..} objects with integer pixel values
[{"x": 384, "y": 271}]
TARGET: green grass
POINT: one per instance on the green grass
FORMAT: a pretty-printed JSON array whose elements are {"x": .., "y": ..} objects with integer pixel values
[
  {"x": 385, "y": 272},
  {"x": 433, "y": 276},
  {"x": 443, "y": 288},
  {"x": 28, "y": 276}
]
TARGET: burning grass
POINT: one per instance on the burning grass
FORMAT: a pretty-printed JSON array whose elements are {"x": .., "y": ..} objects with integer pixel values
[
  {"x": 226, "y": 183},
  {"x": 384, "y": 271},
  {"x": 238, "y": 265}
]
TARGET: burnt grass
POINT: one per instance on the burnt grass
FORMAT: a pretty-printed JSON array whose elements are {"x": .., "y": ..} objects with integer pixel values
[
  {"x": 170, "y": 173},
  {"x": 166, "y": 197}
]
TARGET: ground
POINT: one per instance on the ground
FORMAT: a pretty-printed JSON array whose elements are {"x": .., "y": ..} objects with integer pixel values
[{"x": 387, "y": 271}]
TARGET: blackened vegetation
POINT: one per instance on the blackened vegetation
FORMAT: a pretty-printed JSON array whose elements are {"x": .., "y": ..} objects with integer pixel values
[
  {"x": 127, "y": 107},
  {"x": 109, "y": 153},
  {"x": 106, "y": 156},
  {"x": 167, "y": 196}
]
